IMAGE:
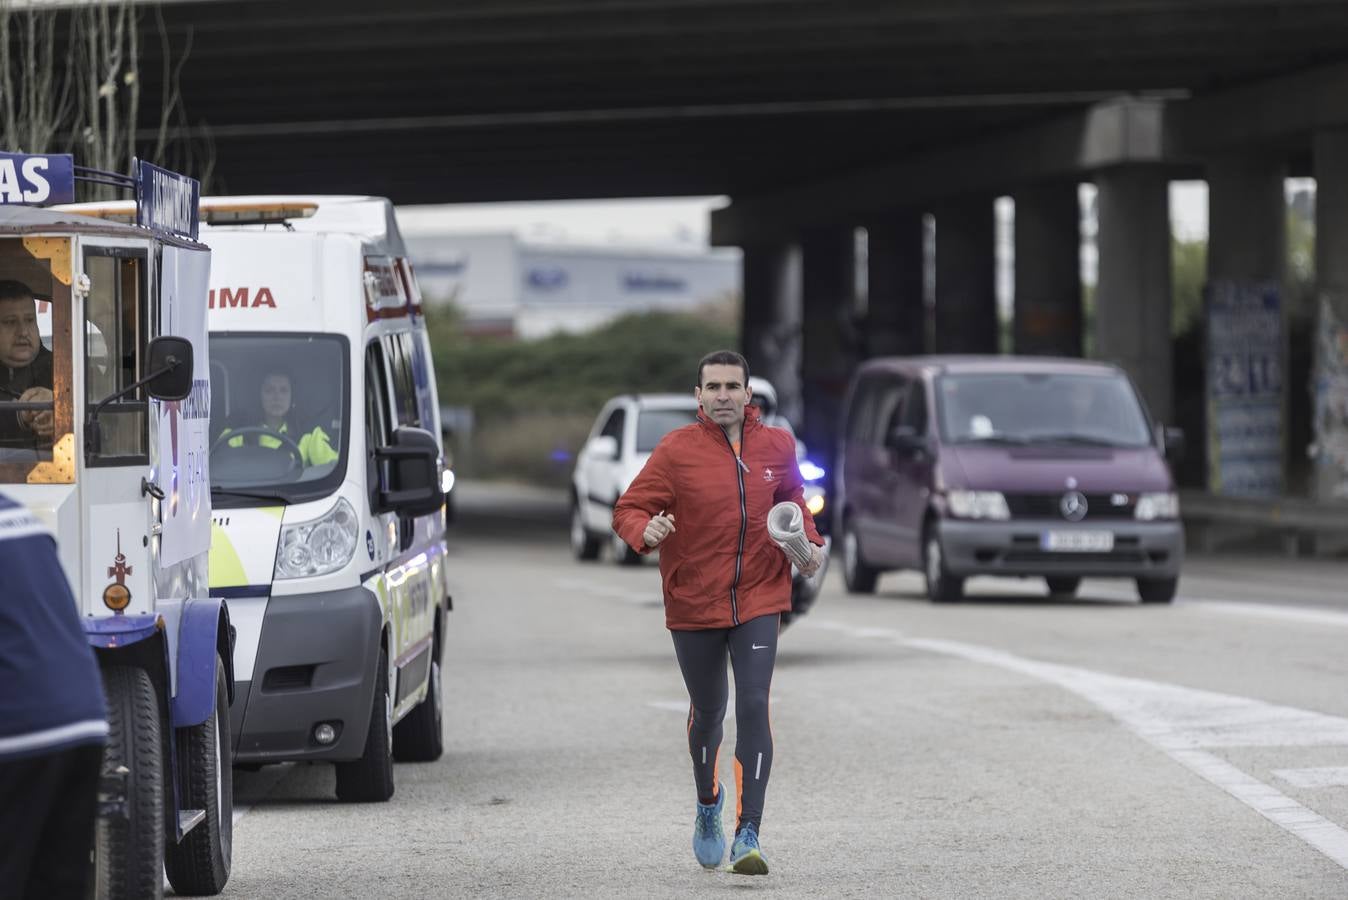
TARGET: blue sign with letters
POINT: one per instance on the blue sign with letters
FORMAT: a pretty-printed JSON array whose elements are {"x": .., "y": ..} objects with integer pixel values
[
  {"x": 30, "y": 179},
  {"x": 167, "y": 202}
]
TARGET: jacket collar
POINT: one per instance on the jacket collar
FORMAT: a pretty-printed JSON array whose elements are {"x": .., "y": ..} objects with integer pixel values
[{"x": 752, "y": 420}]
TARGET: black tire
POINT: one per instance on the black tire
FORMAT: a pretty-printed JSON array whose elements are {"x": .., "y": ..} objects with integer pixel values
[
  {"x": 1157, "y": 590},
  {"x": 199, "y": 864},
  {"x": 420, "y": 736},
  {"x": 942, "y": 587},
  {"x": 131, "y": 850},
  {"x": 1062, "y": 585},
  {"x": 370, "y": 778},
  {"x": 620, "y": 553},
  {"x": 584, "y": 545},
  {"x": 857, "y": 576}
]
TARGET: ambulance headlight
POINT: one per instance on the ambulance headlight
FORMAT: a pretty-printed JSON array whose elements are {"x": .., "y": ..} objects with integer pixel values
[{"x": 320, "y": 546}]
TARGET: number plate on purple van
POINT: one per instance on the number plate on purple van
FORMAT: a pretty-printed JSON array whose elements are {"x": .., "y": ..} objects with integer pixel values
[{"x": 1077, "y": 541}]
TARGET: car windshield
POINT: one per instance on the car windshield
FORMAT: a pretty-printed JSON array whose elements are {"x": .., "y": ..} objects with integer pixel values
[
  {"x": 1041, "y": 408},
  {"x": 653, "y": 424},
  {"x": 278, "y": 416}
]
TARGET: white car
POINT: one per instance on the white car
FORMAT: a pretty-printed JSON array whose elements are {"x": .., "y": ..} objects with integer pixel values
[{"x": 624, "y": 434}]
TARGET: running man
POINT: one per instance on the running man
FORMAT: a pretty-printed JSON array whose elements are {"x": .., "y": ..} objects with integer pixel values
[{"x": 703, "y": 499}]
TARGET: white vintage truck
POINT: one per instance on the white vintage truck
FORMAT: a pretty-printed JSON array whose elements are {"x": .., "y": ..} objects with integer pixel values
[{"x": 119, "y": 475}]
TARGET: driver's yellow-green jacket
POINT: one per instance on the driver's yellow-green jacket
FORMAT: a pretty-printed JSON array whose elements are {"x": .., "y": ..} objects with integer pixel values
[{"x": 315, "y": 446}]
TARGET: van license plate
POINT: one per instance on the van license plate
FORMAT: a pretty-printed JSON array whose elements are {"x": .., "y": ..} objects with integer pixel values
[{"x": 1078, "y": 541}]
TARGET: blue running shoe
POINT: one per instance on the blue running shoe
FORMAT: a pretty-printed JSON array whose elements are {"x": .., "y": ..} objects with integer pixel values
[
  {"x": 745, "y": 857},
  {"x": 708, "y": 833}
]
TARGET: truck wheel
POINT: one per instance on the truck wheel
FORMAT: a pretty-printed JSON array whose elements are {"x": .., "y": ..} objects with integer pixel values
[
  {"x": 420, "y": 737},
  {"x": 131, "y": 849},
  {"x": 370, "y": 778},
  {"x": 584, "y": 545},
  {"x": 199, "y": 864}
]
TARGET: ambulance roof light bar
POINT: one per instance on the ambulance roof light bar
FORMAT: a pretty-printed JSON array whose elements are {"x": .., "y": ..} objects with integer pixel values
[{"x": 213, "y": 212}]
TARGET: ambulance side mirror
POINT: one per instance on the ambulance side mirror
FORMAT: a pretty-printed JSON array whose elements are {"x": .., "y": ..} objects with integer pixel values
[{"x": 410, "y": 482}]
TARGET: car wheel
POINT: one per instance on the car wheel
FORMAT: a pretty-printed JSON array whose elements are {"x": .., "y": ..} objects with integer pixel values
[
  {"x": 584, "y": 545},
  {"x": 1157, "y": 590},
  {"x": 620, "y": 553},
  {"x": 859, "y": 577},
  {"x": 1062, "y": 585},
  {"x": 942, "y": 587}
]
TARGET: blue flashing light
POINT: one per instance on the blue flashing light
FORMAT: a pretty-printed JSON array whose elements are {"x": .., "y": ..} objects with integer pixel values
[{"x": 809, "y": 471}]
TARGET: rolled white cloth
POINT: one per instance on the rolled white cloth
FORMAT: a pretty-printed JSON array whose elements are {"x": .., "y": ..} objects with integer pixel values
[{"x": 786, "y": 526}]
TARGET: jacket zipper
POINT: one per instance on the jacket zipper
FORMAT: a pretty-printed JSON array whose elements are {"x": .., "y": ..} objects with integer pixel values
[{"x": 740, "y": 468}]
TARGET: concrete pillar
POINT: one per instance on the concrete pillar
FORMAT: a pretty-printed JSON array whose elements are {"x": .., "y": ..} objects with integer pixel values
[
  {"x": 1330, "y": 381},
  {"x": 1132, "y": 298},
  {"x": 770, "y": 327},
  {"x": 896, "y": 317},
  {"x": 828, "y": 286},
  {"x": 1048, "y": 270},
  {"x": 1245, "y": 349},
  {"x": 966, "y": 272}
]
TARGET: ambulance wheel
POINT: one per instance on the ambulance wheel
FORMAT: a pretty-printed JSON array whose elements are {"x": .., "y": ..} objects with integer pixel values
[
  {"x": 199, "y": 864},
  {"x": 370, "y": 778},
  {"x": 131, "y": 847},
  {"x": 420, "y": 737}
]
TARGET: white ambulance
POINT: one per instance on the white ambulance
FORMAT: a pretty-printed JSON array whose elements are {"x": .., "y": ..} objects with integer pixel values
[{"x": 327, "y": 478}]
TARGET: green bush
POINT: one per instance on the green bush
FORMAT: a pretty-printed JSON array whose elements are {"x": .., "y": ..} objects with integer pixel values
[{"x": 533, "y": 401}]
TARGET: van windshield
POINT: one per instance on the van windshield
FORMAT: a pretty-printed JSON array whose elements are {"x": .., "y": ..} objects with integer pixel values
[
  {"x": 279, "y": 417},
  {"x": 1041, "y": 408}
]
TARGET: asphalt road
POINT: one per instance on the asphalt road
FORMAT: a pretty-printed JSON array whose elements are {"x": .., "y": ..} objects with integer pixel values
[{"x": 1006, "y": 746}]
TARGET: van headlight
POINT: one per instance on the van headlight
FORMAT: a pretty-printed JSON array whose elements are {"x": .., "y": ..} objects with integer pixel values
[
  {"x": 978, "y": 505},
  {"x": 319, "y": 546},
  {"x": 1162, "y": 505}
]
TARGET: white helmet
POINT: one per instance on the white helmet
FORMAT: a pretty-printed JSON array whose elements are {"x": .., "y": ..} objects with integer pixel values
[{"x": 764, "y": 395}]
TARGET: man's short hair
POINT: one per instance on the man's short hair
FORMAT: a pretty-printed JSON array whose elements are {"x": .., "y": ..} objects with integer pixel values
[
  {"x": 723, "y": 358},
  {"x": 15, "y": 290}
]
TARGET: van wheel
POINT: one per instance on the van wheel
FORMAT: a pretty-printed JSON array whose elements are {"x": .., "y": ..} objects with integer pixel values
[
  {"x": 942, "y": 587},
  {"x": 857, "y": 576},
  {"x": 1157, "y": 590},
  {"x": 620, "y": 553},
  {"x": 421, "y": 737},
  {"x": 199, "y": 864},
  {"x": 584, "y": 545},
  {"x": 1062, "y": 585},
  {"x": 131, "y": 849},
  {"x": 370, "y": 778}
]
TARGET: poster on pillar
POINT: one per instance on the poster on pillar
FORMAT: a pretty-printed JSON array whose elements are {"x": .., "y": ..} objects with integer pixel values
[
  {"x": 1244, "y": 388},
  {"x": 1329, "y": 394}
]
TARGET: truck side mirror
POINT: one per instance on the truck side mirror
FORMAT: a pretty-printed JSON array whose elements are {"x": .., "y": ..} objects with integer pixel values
[
  {"x": 169, "y": 368},
  {"x": 904, "y": 439},
  {"x": 1173, "y": 443},
  {"x": 413, "y": 485},
  {"x": 605, "y": 446}
]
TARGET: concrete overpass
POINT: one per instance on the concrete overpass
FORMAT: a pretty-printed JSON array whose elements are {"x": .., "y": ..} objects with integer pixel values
[{"x": 817, "y": 118}]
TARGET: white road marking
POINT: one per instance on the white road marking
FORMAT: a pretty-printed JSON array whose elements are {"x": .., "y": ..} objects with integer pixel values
[
  {"x": 1301, "y": 614},
  {"x": 599, "y": 589},
  {"x": 1328, "y": 776}
]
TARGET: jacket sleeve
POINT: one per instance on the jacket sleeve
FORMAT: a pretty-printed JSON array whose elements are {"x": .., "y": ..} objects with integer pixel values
[
  {"x": 792, "y": 488},
  {"x": 649, "y": 494}
]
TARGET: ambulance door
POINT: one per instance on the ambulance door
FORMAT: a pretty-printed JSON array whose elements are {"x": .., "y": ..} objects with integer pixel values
[{"x": 117, "y": 487}]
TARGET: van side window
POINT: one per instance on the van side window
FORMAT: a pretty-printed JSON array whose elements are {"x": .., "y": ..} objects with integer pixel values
[
  {"x": 378, "y": 431},
  {"x": 614, "y": 427},
  {"x": 888, "y": 409},
  {"x": 860, "y": 417},
  {"x": 114, "y": 346},
  {"x": 915, "y": 409},
  {"x": 398, "y": 348}
]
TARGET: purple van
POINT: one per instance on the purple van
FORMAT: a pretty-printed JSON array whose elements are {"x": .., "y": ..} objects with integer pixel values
[{"x": 964, "y": 466}]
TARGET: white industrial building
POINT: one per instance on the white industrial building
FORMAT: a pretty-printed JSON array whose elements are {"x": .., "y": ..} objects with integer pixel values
[{"x": 511, "y": 287}]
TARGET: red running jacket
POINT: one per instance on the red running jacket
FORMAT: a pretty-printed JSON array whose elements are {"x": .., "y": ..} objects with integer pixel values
[{"x": 719, "y": 567}]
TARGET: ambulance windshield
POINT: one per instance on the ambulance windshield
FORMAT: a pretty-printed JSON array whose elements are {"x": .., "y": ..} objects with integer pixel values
[{"x": 278, "y": 416}]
